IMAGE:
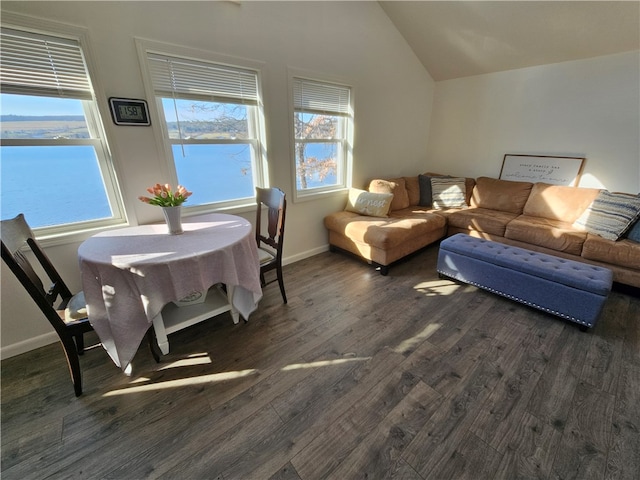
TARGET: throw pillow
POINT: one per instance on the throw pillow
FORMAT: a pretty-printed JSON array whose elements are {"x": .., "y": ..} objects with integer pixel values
[
  {"x": 397, "y": 187},
  {"x": 634, "y": 232},
  {"x": 448, "y": 192},
  {"x": 368, "y": 203},
  {"x": 610, "y": 214},
  {"x": 425, "y": 191}
]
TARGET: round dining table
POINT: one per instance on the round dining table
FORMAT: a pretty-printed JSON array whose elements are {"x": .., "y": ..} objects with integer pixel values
[{"x": 130, "y": 274}]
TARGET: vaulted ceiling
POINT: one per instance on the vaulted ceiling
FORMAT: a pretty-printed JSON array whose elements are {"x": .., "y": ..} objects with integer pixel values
[{"x": 456, "y": 39}]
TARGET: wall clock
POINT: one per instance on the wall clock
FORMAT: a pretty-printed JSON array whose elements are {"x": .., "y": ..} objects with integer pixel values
[{"x": 129, "y": 111}]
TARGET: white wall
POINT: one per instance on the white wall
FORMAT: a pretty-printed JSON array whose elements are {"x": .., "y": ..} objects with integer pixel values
[
  {"x": 354, "y": 41},
  {"x": 585, "y": 108}
]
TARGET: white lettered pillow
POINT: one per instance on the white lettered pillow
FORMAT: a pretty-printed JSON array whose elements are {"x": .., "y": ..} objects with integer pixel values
[{"x": 367, "y": 203}]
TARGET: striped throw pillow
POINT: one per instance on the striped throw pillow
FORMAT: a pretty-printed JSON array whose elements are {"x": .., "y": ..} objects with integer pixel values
[
  {"x": 448, "y": 192},
  {"x": 610, "y": 214}
]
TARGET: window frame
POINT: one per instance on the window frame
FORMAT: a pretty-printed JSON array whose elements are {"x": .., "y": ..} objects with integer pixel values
[
  {"x": 256, "y": 121},
  {"x": 345, "y": 168},
  {"x": 93, "y": 111}
]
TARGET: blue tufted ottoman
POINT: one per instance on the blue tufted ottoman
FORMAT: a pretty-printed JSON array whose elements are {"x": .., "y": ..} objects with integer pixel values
[{"x": 572, "y": 290}]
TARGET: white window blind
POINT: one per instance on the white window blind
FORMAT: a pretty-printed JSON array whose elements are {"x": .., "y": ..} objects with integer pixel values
[
  {"x": 322, "y": 98},
  {"x": 34, "y": 64},
  {"x": 185, "y": 78}
]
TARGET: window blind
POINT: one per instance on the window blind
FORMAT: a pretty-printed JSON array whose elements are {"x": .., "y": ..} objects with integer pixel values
[
  {"x": 324, "y": 98},
  {"x": 186, "y": 78},
  {"x": 34, "y": 64}
]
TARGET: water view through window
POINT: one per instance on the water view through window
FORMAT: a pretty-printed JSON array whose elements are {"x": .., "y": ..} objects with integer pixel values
[
  {"x": 50, "y": 171},
  {"x": 49, "y": 166},
  {"x": 52, "y": 185}
]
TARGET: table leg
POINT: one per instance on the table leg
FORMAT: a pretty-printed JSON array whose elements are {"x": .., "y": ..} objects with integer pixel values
[
  {"x": 235, "y": 315},
  {"x": 161, "y": 334}
]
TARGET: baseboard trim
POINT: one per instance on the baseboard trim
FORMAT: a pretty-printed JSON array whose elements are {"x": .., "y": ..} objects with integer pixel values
[
  {"x": 306, "y": 254},
  {"x": 28, "y": 345}
]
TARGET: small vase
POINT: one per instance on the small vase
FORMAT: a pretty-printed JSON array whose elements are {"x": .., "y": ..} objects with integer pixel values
[{"x": 174, "y": 221}]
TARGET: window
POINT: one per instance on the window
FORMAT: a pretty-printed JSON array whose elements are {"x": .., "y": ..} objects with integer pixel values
[
  {"x": 54, "y": 160},
  {"x": 212, "y": 128},
  {"x": 322, "y": 125}
]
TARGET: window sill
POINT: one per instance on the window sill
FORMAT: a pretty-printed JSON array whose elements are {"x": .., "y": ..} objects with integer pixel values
[
  {"x": 299, "y": 198},
  {"x": 76, "y": 236}
]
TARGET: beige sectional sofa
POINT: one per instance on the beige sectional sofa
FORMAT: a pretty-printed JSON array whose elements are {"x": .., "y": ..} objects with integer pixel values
[{"x": 540, "y": 217}]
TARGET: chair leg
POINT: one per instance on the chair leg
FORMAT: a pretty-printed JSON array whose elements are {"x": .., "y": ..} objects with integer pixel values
[
  {"x": 80, "y": 343},
  {"x": 71, "y": 352},
  {"x": 153, "y": 345},
  {"x": 281, "y": 283}
]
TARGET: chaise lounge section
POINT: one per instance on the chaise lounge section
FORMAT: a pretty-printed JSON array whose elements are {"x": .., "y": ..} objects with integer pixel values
[{"x": 382, "y": 240}]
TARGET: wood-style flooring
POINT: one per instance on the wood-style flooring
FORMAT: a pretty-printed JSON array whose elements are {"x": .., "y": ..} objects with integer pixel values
[{"x": 360, "y": 376}]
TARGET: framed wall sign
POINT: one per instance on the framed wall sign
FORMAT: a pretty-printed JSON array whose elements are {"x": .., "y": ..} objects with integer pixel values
[
  {"x": 542, "y": 168},
  {"x": 129, "y": 111}
]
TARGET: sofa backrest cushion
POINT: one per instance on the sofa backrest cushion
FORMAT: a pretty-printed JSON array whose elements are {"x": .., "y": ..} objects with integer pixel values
[
  {"x": 395, "y": 186},
  {"x": 558, "y": 202},
  {"x": 501, "y": 195},
  {"x": 367, "y": 203},
  {"x": 413, "y": 190}
]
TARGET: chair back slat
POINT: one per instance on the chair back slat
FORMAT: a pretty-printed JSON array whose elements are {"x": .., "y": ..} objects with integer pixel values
[
  {"x": 22, "y": 261},
  {"x": 15, "y": 232}
]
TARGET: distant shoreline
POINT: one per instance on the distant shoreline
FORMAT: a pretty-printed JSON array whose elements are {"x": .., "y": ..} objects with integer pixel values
[{"x": 41, "y": 118}]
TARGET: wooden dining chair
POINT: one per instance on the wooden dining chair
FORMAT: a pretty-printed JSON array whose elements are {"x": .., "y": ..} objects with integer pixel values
[
  {"x": 69, "y": 318},
  {"x": 270, "y": 244}
]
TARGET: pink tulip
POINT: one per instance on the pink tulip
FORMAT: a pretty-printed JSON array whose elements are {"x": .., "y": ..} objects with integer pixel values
[
  {"x": 183, "y": 192},
  {"x": 164, "y": 197}
]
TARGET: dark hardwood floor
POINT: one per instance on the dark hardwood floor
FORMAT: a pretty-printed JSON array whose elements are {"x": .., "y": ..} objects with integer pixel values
[{"x": 359, "y": 376}]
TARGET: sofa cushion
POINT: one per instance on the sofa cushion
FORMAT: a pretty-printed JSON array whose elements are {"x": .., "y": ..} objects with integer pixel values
[
  {"x": 413, "y": 190},
  {"x": 548, "y": 233},
  {"x": 558, "y": 202},
  {"x": 610, "y": 214},
  {"x": 625, "y": 253},
  {"x": 502, "y": 195},
  {"x": 481, "y": 220},
  {"x": 367, "y": 203},
  {"x": 384, "y": 233},
  {"x": 395, "y": 186},
  {"x": 448, "y": 192}
]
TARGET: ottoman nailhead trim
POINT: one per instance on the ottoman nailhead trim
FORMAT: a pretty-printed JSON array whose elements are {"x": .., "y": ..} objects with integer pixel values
[{"x": 518, "y": 299}]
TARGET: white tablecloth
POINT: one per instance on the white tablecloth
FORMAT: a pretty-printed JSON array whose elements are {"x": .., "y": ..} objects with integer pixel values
[{"x": 130, "y": 274}]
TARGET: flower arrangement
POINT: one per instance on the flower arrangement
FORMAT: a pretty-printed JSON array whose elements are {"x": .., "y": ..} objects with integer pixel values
[{"x": 163, "y": 196}]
